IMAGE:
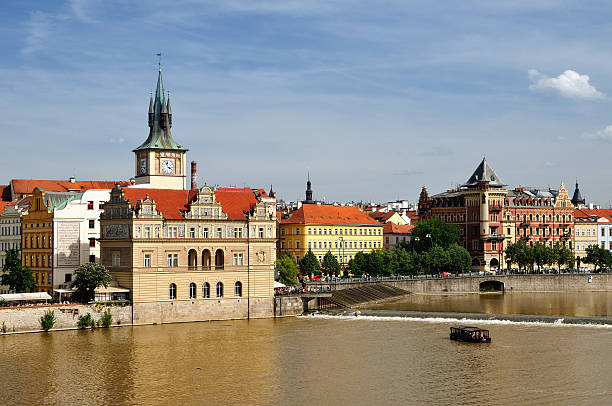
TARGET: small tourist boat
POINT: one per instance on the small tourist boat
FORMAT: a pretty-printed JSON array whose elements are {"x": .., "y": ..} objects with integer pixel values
[{"x": 469, "y": 334}]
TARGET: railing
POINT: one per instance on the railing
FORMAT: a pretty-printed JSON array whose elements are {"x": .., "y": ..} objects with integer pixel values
[{"x": 206, "y": 268}]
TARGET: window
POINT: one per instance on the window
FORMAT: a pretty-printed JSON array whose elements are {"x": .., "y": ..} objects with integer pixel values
[
  {"x": 297, "y": 231},
  {"x": 67, "y": 278},
  {"x": 219, "y": 232},
  {"x": 237, "y": 232},
  {"x": 238, "y": 289},
  {"x": 297, "y": 244},
  {"x": 238, "y": 259},
  {"x": 205, "y": 232},
  {"x": 92, "y": 224},
  {"x": 219, "y": 289},
  {"x": 172, "y": 292},
  {"x": 147, "y": 232},
  {"x": 192, "y": 233},
  {"x": 172, "y": 260},
  {"x": 192, "y": 290},
  {"x": 261, "y": 232},
  {"x": 116, "y": 259},
  {"x": 90, "y": 205},
  {"x": 206, "y": 290},
  {"x": 309, "y": 244},
  {"x": 282, "y": 231},
  {"x": 172, "y": 232},
  {"x": 147, "y": 260},
  {"x": 92, "y": 242},
  {"x": 92, "y": 259}
]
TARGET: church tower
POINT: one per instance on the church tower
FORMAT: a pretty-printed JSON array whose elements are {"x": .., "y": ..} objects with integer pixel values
[{"x": 160, "y": 162}]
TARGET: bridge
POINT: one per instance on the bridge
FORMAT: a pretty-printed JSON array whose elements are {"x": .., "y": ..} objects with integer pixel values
[{"x": 475, "y": 284}]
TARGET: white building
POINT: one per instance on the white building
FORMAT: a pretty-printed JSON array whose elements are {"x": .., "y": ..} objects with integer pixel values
[{"x": 76, "y": 230}]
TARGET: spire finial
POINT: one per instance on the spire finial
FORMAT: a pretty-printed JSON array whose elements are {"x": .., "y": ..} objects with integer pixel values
[{"x": 159, "y": 60}]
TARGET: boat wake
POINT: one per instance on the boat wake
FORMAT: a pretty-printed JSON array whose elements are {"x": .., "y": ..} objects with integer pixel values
[{"x": 466, "y": 318}]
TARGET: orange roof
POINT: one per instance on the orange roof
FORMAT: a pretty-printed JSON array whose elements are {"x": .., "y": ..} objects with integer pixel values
[
  {"x": 26, "y": 186},
  {"x": 329, "y": 214},
  {"x": 392, "y": 228},
  {"x": 172, "y": 203},
  {"x": 380, "y": 216},
  {"x": 3, "y": 205},
  {"x": 582, "y": 213}
]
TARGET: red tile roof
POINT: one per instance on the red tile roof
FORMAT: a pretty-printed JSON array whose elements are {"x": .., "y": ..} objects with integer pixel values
[
  {"x": 392, "y": 228},
  {"x": 584, "y": 212},
  {"x": 26, "y": 186},
  {"x": 380, "y": 216},
  {"x": 329, "y": 214},
  {"x": 3, "y": 205},
  {"x": 171, "y": 203}
]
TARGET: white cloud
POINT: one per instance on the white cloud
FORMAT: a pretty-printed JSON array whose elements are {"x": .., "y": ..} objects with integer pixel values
[
  {"x": 602, "y": 135},
  {"x": 569, "y": 84}
]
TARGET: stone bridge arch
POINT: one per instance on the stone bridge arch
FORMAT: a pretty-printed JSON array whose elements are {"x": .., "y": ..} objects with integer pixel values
[{"x": 491, "y": 286}]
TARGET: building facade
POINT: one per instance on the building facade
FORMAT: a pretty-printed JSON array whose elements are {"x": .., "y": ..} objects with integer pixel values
[
  {"x": 395, "y": 233},
  {"x": 585, "y": 234},
  {"x": 187, "y": 254},
  {"x": 490, "y": 216}
]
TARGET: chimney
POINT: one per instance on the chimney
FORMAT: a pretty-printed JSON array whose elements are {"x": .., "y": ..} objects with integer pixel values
[
  {"x": 132, "y": 181},
  {"x": 72, "y": 179},
  {"x": 194, "y": 175}
]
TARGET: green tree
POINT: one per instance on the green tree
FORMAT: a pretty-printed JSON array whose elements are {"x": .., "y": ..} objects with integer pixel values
[
  {"x": 433, "y": 232},
  {"x": 404, "y": 262},
  {"x": 437, "y": 259},
  {"x": 542, "y": 255},
  {"x": 599, "y": 257},
  {"x": 520, "y": 253},
  {"x": 330, "y": 264},
  {"x": 287, "y": 269},
  {"x": 16, "y": 276},
  {"x": 358, "y": 264},
  {"x": 379, "y": 263},
  {"x": 47, "y": 321},
  {"x": 310, "y": 264},
  {"x": 459, "y": 259},
  {"x": 87, "y": 278},
  {"x": 562, "y": 256}
]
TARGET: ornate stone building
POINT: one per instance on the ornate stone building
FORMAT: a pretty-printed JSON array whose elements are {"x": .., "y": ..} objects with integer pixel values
[
  {"x": 187, "y": 255},
  {"x": 491, "y": 216}
]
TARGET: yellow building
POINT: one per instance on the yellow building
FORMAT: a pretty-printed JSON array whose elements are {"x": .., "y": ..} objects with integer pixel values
[
  {"x": 342, "y": 230},
  {"x": 585, "y": 226}
]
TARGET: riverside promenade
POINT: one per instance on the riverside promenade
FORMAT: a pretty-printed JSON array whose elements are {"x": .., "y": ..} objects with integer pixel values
[{"x": 574, "y": 282}]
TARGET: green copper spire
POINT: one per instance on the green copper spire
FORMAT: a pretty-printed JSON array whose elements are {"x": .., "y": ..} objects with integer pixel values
[{"x": 160, "y": 121}]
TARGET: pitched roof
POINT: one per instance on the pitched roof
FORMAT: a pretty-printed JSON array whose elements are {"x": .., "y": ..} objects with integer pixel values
[
  {"x": 329, "y": 214},
  {"x": 392, "y": 228},
  {"x": 168, "y": 202},
  {"x": 26, "y": 186},
  {"x": 583, "y": 214},
  {"x": 5, "y": 193},
  {"x": 172, "y": 203},
  {"x": 484, "y": 173},
  {"x": 3, "y": 205},
  {"x": 380, "y": 216}
]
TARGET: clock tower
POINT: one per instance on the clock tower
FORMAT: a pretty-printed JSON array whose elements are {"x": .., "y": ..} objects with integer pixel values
[{"x": 160, "y": 162}]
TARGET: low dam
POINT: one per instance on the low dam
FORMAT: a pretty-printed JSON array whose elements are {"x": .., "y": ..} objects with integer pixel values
[{"x": 475, "y": 284}]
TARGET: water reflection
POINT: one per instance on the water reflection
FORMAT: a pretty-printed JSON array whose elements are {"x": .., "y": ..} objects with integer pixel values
[{"x": 586, "y": 304}]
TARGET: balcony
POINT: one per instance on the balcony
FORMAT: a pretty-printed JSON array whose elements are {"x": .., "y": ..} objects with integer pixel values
[
  {"x": 525, "y": 223},
  {"x": 495, "y": 209},
  {"x": 495, "y": 237}
]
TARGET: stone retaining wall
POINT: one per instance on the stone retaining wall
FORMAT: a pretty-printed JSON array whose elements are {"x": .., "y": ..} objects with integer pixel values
[{"x": 66, "y": 316}]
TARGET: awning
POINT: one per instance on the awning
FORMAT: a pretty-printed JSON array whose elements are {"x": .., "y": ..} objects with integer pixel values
[
  {"x": 279, "y": 285},
  {"x": 111, "y": 289},
  {"x": 12, "y": 297},
  {"x": 63, "y": 291}
]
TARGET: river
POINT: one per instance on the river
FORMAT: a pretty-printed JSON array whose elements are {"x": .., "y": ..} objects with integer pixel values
[{"x": 312, "y": 360}]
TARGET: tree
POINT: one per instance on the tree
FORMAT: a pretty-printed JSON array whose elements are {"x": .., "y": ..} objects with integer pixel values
[
  {"x": 287, "y": 269},
  {"x": 520, "y": 253},
  {"x": 310, "y": 264},
  {"x": 459, "y": 258},
  {"x": 599, "y": 257},
  {"x": 330, "y": 264},
  {"x": 438, "y": 259},
  {"x": 433, "y": 232},
  {"x": 358, "y": 264},
  {"x": 87, "y": 278},
  {"x": 542, "y": 255},
  {"x": 17, "y": 277},
  {"x": 562, "y": 256},
  {"x": 404, "y": 262}
]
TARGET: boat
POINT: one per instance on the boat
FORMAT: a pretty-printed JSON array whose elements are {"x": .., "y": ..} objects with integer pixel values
[{"x": 469, "y": 334}]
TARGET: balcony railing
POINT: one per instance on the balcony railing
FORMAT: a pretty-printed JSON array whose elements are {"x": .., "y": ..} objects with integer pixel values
[{"x": 497, "y": 237}]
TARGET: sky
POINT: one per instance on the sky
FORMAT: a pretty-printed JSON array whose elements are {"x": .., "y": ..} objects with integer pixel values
[{"x": 374, "y": 98}]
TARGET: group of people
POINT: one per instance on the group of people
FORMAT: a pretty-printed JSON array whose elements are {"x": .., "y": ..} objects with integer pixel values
[{"x": 297, "y": 290}]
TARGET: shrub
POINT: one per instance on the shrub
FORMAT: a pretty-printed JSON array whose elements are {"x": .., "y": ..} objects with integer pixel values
[
  {"x": 4, "y": 303},
  {"x": 4, "y": 328},
  {"x": 107, "y": 318},
  {"x": 47, "y": 321},
  {"x": 85, "y": 321},
  {"x": 118, "y": 322}
]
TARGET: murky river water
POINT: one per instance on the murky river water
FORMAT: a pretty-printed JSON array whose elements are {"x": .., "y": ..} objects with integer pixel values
[{"x": 309, "y": 361}]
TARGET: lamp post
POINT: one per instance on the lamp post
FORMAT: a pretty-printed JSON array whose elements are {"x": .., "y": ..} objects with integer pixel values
[{"x": 341, "y": 247}]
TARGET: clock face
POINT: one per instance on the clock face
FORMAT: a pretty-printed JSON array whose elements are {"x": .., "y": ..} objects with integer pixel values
[
  {"x": 167, "y": 166},
  {"x": 143, "y": 166}
]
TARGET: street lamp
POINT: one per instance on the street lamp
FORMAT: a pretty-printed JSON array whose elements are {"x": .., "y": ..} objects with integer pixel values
[{"x": 341, "y": 239}]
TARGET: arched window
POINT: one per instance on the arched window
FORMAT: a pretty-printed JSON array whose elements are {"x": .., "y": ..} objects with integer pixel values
[
  {"x": 172, "y": 292},
  {"x": 192, "y": 290},
  {"x": 238, "y": 289},
  {"x": 206, "y": 259},
  {"x": 192, "y": 258},
  {"x": 219, "y": 259},
  {"x": 206, "y": 290},
  {"x": 219, "y": 289}
]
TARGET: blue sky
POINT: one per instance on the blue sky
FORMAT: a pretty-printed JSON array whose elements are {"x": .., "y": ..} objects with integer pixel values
[{"x": 375, "y": 98}]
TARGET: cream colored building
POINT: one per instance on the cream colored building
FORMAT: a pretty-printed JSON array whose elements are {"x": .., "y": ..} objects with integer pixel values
[{"x": 187, "y": 255}]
